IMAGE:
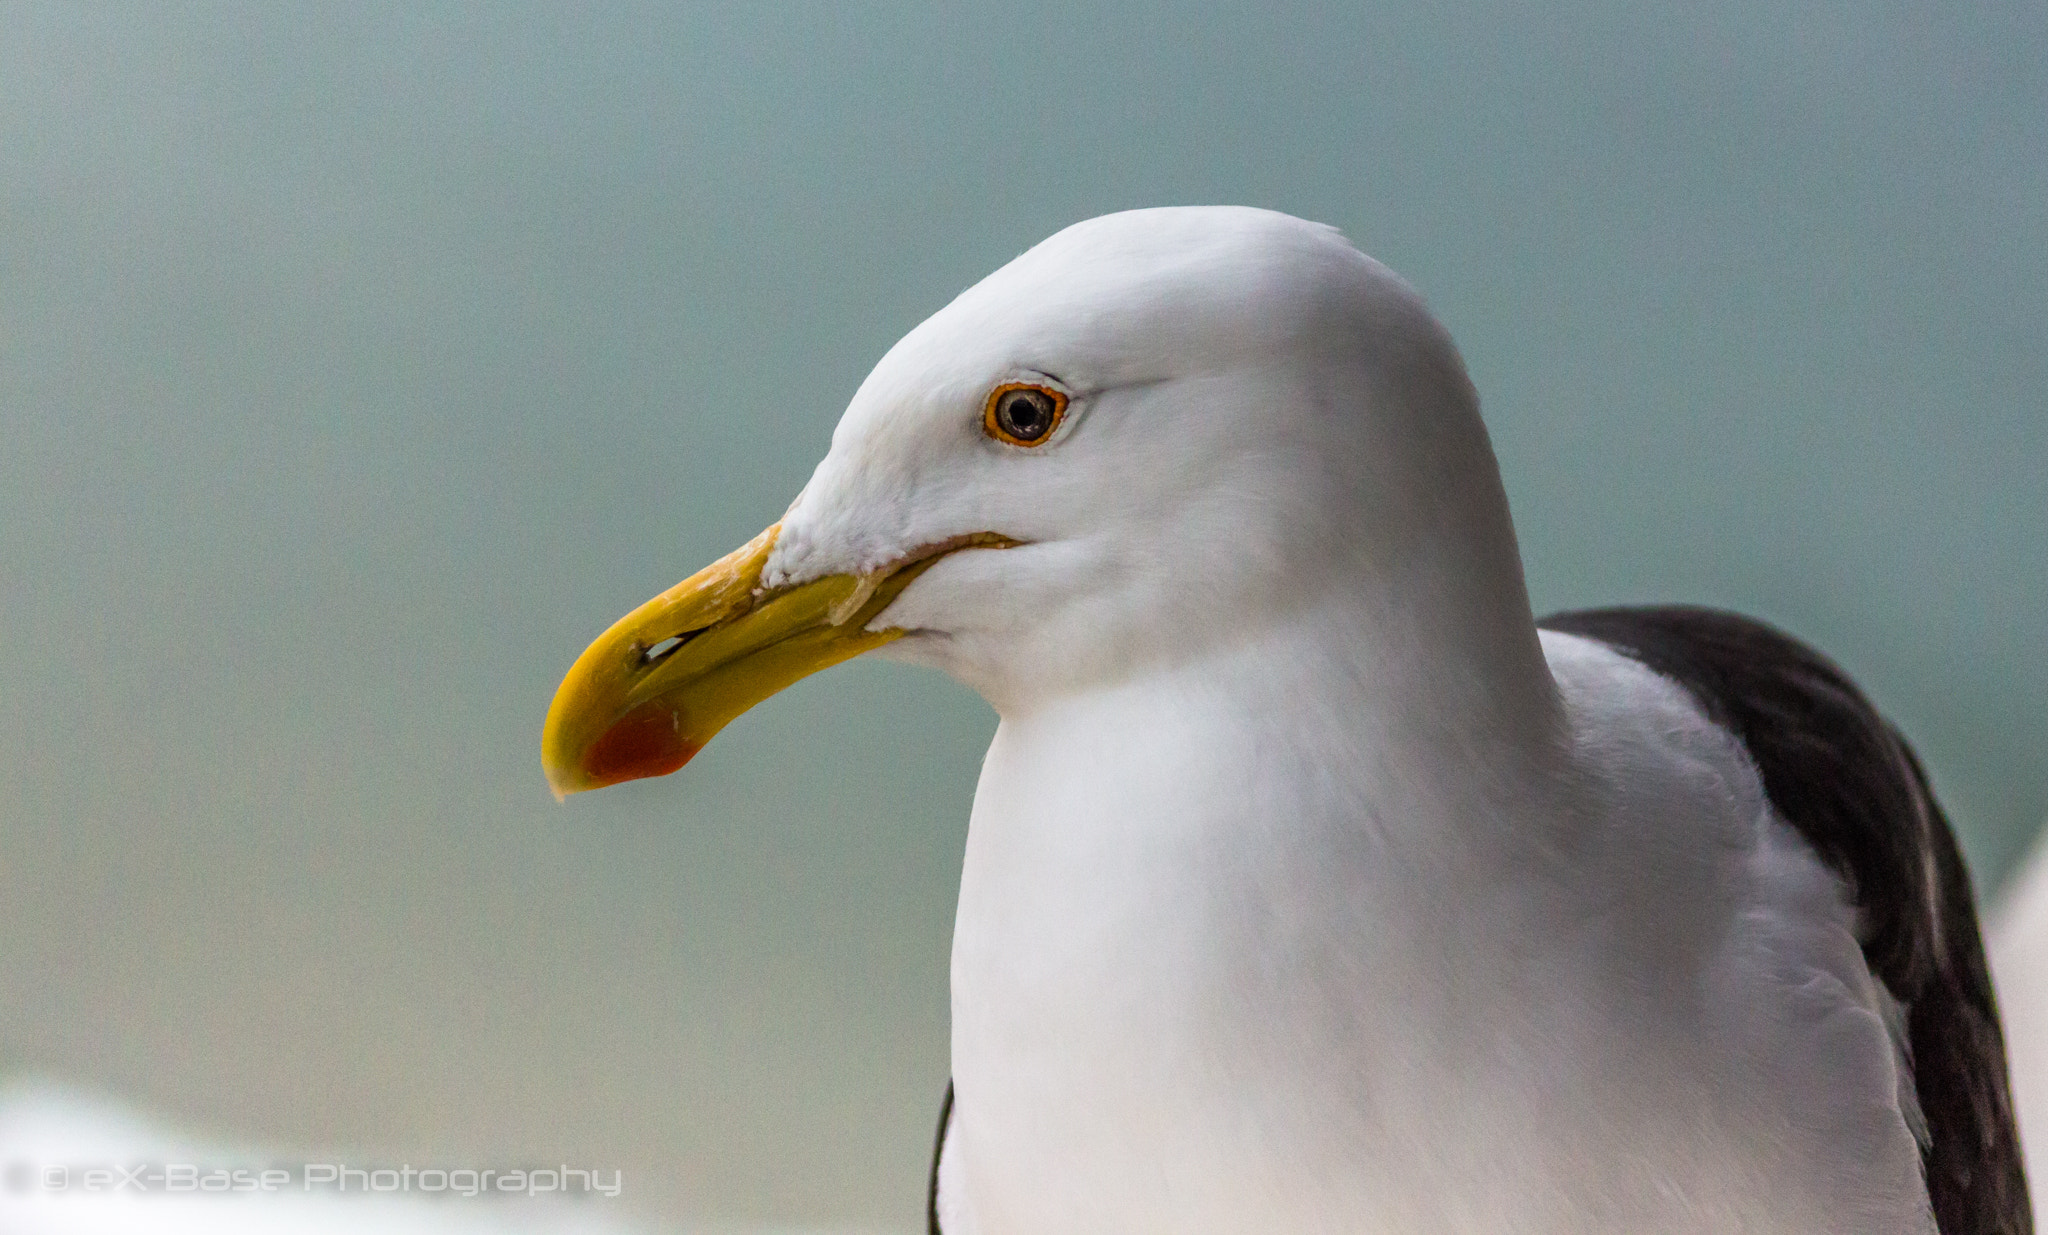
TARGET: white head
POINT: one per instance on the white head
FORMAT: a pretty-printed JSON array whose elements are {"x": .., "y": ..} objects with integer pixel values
[
  {"x": 1254, "y": 419},
  {"x": 1258, "y": 414}
]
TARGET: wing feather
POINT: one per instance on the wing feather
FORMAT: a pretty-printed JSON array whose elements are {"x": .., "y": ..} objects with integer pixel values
[{"x": 1843, "y": 776}]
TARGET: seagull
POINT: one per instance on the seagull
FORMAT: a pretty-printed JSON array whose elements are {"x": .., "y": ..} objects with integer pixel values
[{"x": 1311, "y": 884}]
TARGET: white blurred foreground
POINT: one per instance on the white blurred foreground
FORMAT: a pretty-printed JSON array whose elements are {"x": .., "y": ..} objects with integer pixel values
[
  {"x": 2018, "y": 927},
  {"x": 51, "y": 1137},
  {"x": 43, "y": 1126}
]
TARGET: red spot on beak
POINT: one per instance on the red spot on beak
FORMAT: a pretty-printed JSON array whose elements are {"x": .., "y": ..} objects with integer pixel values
[{"x": 647, "y": 741}]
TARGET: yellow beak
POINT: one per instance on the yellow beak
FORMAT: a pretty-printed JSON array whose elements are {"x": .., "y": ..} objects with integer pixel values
[{"x": 647, "y": 696}]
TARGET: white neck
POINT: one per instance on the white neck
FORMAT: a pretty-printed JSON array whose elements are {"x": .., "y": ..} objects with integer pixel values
[{"x": 1161, "y": 880}]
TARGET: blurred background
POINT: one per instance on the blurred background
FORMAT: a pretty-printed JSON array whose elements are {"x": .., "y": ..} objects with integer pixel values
[{"x": 359, "y": 363}]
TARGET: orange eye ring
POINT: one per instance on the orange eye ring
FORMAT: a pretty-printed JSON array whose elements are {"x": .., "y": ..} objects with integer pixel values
[{"x": 1023, "y": 413}]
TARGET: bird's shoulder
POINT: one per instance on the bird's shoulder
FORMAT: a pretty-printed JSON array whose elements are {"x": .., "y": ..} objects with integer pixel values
[{"x": 1840, "y": 775}]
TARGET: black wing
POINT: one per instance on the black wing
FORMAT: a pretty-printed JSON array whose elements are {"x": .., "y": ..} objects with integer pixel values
[
  {"x": 931, "y": 1198},
  {"x": 1839, "y": 773}
]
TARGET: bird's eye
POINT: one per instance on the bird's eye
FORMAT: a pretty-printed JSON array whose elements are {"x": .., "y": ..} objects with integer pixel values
[{"x": 1023, "y": 414}]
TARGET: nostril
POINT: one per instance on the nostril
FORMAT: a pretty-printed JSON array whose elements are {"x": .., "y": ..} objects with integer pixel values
[{"x": 658, "y": 652}]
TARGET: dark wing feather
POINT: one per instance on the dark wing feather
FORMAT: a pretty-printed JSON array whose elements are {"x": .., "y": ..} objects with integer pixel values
[
  {"x": 1839, "y": 773},
  {"x": 931, "y": 1196}
]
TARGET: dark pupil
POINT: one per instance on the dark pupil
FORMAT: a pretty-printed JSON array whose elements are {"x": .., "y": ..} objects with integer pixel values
[{"x": 1027, "y": 415}]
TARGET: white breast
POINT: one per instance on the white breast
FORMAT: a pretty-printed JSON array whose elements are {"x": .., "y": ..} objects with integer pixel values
[{"x": 1244, "y": 948}]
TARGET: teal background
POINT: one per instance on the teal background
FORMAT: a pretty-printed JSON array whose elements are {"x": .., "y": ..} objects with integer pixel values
[{"x": 359, "y": 363}]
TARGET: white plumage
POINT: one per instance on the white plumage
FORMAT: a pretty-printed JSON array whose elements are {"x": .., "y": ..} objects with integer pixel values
[
  {"x": 1309, "y": 888},
  {"x": 1305, "y": 891}
]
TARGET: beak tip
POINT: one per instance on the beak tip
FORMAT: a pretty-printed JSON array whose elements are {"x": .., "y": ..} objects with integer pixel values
[{"x": 562, "y": 780}]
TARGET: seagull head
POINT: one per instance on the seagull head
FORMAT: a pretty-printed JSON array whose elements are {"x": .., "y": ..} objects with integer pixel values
[{"x": 1150, "y": 436}]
